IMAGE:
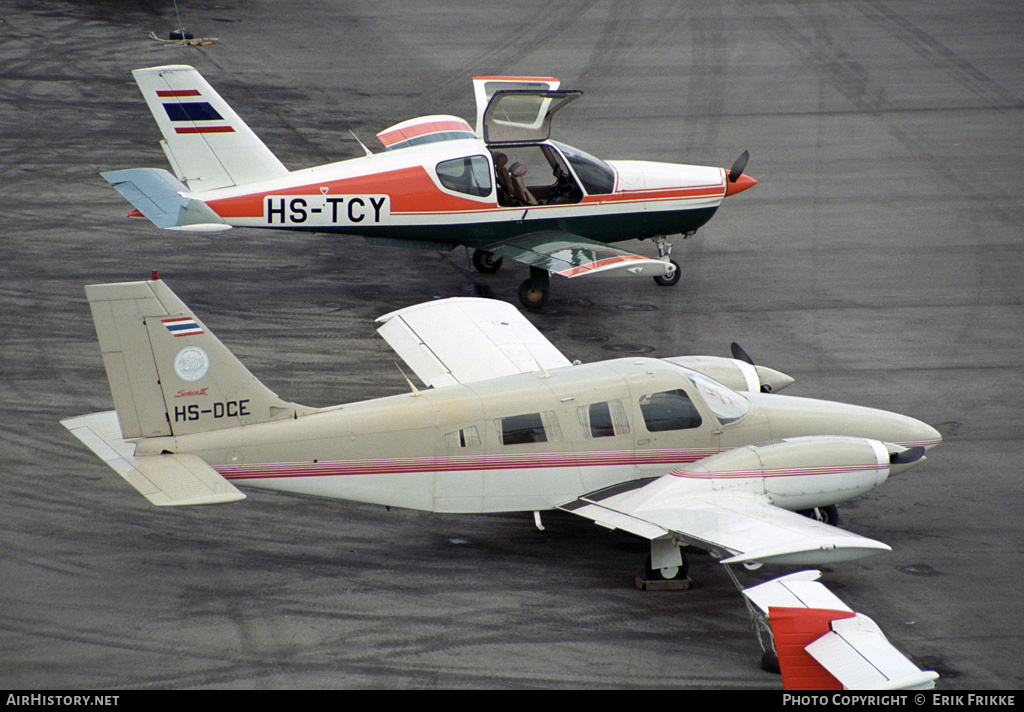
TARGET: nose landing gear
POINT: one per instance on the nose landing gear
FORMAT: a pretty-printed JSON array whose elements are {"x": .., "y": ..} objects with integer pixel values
[{"x": 664, "y": 254}]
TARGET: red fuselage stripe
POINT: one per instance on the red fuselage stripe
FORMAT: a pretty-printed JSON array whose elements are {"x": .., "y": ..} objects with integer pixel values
[
  {"x": 458, "y": 464},
  {"x": 775, "y": 472}
]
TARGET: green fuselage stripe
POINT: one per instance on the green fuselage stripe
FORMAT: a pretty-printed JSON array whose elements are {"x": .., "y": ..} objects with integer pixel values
[{"x": 602, "y": 228}]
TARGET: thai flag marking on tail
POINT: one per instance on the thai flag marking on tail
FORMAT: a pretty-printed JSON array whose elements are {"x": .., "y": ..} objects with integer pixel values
[
  {"x": 192, "y": 111},
  {"x": 182, "y": 326}
]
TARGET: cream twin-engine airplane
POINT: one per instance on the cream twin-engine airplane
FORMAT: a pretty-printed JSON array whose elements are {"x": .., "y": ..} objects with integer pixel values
[
  {"x": 693, "y": 450},
  {"x": 503, "y": 188}
]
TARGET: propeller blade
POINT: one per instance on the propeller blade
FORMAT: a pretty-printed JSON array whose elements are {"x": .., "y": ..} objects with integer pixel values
[
  {"x": 738, "y": 167},
  {"x": 907, "y": 456},
  {"x": 739, "y": 354}
]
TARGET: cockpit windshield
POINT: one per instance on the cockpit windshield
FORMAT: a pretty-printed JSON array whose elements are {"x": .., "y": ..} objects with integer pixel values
[
  {"x": 596, "y": 176},
  {"x": 727, "y": 405}
]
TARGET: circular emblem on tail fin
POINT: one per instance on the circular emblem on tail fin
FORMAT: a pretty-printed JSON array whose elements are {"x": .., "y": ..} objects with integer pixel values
[{"x": 191, "y": 363}]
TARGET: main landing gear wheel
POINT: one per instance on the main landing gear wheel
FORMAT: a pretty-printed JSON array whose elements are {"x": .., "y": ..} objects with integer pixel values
[
  {"x": 486, "y": 262},
  {"x": 825, "y": 515},
  {"x": 675, "y": 573},
  {"x": 532, "y": 298},
  {"x": 670, "y": 281}
]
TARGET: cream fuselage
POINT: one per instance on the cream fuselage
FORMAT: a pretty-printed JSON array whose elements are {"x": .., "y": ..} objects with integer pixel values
[{"x": 468, "y": 448}]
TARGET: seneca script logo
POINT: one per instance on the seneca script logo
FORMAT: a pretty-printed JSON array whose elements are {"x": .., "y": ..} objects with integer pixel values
[{"x": 187, "y": 394}]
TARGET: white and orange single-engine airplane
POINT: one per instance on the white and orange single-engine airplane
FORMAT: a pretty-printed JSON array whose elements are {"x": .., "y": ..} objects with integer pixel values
[
  {"x": 685, "y": 451},
  {"x": 503, "y": 188}
]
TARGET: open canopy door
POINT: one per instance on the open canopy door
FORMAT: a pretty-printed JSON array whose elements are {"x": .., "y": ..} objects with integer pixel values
[
  {"x": 514, "y": 116},
  {"x": 484, "y": 89}
]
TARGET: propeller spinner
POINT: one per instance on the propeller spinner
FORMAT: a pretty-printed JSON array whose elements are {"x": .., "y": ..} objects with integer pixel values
[
  {"x": 738, "y": 182},
  {"x": 771, "y": 380}
]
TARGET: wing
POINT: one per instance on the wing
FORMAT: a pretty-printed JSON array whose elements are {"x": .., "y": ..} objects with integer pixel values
[
  {"x": 738, "y": 527},
  {"x": 821, "y": 643},
  {"x": 163, "y": 479},
  {"x": 570, "y": 255},
  {"x": 464, "y": 339},
  {"x": 719, "y": 503}
]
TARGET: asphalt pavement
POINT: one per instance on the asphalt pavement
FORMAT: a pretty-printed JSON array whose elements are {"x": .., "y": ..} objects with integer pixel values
[{"x": 878, "y": 261}]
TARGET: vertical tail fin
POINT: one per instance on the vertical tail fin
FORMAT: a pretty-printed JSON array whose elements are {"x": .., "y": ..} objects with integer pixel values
[
  {"x": 169, "y": 375},
  {"x": 206, "y": 142}
]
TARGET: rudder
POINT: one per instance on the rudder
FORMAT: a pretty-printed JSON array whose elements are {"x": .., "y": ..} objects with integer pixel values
[{"x": 206, "y": 142}]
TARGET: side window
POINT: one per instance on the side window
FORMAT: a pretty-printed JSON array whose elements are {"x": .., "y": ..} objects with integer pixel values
[
  {"x": 471, "y": 175},
  {"x": 669, "y": 410},
  {"x": 603, "y": 420},
  {"x": 529, "y": 428},
  {"x": 467, "y": 437}
]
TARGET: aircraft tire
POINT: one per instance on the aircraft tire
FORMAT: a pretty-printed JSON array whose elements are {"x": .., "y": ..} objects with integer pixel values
[
  {"x": 829, "y": 514},
  {"x": 670, "y": 281},
  {"x": 486, "y": 262},
  {"x": 532, "y": 298}
]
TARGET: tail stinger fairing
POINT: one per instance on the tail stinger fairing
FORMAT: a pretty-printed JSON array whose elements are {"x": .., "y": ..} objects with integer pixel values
[
  {"x": 692, "y": 450},
  {"x": 503, "y": 188}
]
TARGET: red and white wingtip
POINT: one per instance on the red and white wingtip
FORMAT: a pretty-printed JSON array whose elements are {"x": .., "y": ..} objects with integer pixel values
[
  {"x": 822, "y": 649},
  {"x": 823, "y": 645}
]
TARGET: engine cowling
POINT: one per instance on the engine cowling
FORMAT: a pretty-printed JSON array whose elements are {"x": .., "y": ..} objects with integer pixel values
[
  {"x": 736, "y": 374},
  {"x": 799, "y": 473}
]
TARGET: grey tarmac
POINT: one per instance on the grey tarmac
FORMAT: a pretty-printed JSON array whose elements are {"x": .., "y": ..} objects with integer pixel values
[{"x": 878, "y": 261}]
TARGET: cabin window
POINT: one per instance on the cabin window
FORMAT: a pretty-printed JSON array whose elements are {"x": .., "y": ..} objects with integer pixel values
[
  {"x": 597, "y": 177},
  {"x": 471, "y": 175},
  {"x": 529, "y": 428},
  {"x": 727, "y": 405},
  {"x": 669, "y": 410},
  {"x": 603, "y": 420},
  {"x": 467, "y": 437}
]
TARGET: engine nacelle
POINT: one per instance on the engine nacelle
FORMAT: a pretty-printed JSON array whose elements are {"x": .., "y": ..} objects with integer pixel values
[
  {"x": 799, "y": 473},
  {"x": 736, "y": 374}
]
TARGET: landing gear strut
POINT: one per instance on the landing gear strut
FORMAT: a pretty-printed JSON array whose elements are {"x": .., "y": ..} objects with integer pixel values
[
  {"x": 826, "y": 515},
  {"x": 664, "y": 252},
  {"x": 666, "y": 568},
  {"x": 672, "y": 573},
  {"x": 533, "y": 293}
]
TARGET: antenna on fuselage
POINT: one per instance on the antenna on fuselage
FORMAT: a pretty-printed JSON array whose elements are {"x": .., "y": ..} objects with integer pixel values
[
  {"x": 361, "y": 144},
  {"x": 415, "y": 391}
]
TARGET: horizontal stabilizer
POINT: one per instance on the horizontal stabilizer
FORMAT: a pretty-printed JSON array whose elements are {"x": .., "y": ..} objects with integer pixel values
[
  {"x": 164, "y": 480},
  {"x": 466, "y": 339},
  {"x": 158, "y": 195}
]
